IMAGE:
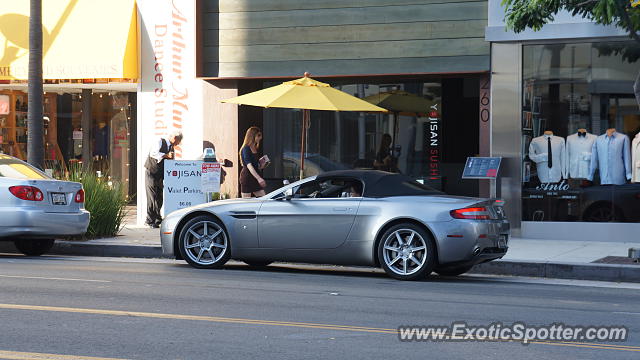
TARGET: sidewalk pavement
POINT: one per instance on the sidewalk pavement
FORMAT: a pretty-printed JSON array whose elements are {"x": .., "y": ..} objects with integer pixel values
[{"x": 526, "y": 257}]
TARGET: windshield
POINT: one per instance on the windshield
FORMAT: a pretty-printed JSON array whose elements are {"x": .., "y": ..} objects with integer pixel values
[
  {"x": 280, "y": 192},
  {"x": 11, "y": 167}
]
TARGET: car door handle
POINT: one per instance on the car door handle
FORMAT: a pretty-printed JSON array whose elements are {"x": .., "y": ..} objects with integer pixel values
[{"x": 339, "y": 209}]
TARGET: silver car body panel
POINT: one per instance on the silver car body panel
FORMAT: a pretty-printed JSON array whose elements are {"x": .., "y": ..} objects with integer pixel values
[
  {"x": 343, "y": 231},
  {"x": 28, "y": 219}
]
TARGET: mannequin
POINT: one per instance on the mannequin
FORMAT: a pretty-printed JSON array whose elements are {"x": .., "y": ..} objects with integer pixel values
[
  {"x": 611, "y": 152},
  {"x": 101, "y": 138},
  {"x": 551, "y": 169},
  {"x": 579, "y": 154},
  {"x": 635, "y": 159}
]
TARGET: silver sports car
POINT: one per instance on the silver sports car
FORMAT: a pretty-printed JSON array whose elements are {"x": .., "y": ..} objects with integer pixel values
[{"x": 350, "y": 217}]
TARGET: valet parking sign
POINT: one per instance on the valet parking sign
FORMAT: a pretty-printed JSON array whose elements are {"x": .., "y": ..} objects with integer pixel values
[{"x": 182, "y": 184}]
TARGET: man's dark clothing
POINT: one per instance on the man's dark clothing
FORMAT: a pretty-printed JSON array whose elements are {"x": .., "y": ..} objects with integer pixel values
[{"x": 154, "y": 180}]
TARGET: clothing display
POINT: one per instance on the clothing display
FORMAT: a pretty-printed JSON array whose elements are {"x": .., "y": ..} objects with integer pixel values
[
  {"x": 548, "y": 152},
  {"x": 102, "y": 143},
  {"x": 635, "y": 159},
  {"x": 579, "y": 154},
  {"x": 611, "y": 158}
]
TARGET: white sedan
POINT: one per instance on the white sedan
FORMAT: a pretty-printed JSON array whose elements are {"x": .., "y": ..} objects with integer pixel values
[{"x": 35, "y": 208}]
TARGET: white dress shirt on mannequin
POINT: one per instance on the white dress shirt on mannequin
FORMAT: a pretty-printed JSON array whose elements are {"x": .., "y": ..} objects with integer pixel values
[
  {"x": 538, "y": 153},
  {"x": 635, "y": 159},
  {"x": 579, "y": 155},
  {"x": 611, "y": 157}
]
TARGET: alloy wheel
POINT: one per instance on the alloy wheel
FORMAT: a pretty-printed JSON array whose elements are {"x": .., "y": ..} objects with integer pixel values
[
  {"x": 205, "y": 243},
  {"x": 405, "y": 251}
]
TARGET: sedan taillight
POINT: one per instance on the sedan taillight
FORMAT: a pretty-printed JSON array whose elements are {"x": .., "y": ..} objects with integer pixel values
[
  {"x": 80, "y": 196},
  {"x": 29, "y": 193},
  {"x": 471, "y": 213}
]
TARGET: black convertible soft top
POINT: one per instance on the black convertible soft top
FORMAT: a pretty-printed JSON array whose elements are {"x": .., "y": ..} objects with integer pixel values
[{"x": 379, "y": 184}]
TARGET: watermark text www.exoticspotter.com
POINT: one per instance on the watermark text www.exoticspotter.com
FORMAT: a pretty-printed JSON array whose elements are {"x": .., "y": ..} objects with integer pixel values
[{"x": 518, "y": 331}]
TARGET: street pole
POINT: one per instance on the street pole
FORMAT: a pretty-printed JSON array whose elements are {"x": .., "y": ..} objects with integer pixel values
[
  {"x": 35, "y": 123},
  {"x": 85, "y": 123},
  {"x": 306, "y": 115}
]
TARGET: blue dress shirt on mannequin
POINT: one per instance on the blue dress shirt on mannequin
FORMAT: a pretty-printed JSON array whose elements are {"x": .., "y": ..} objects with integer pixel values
[{"x": 611, "y": 155}]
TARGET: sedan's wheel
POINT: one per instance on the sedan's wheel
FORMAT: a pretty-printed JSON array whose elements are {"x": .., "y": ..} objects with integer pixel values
[
  {"x": 34, "y": 247},
  {"x": 407, "y": 252},
  {"x": 454, "y": 271},
  {"x": 203, "y": 243}
]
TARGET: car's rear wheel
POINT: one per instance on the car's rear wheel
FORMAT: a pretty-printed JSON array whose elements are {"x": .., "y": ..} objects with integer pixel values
[
  {"x": 204, "y": 243},
  {"x": 34, "y": 247},
  {"x": 453, "y": 271},
  {"x": 406, "y": 252}
]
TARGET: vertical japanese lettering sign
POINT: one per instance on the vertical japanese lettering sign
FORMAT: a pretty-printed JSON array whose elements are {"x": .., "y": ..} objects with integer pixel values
[{"x": 432, "y": 143}]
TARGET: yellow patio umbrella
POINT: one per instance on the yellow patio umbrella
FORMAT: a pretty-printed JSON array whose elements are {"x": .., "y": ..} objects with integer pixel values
[
  {"x": 400, "y": 103},
  {"x": 306, "y": 94}
]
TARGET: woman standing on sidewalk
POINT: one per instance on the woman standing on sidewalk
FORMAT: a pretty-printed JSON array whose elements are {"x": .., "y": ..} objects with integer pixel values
[{"x": 250, "y": 180}]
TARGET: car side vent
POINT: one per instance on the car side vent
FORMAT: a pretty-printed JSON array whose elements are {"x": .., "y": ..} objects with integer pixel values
[{"x": 244, "y": 214}]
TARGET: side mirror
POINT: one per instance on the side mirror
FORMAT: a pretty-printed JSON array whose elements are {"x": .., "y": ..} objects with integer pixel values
[
  {"x": 285, "y": 182},
  {"x": 288, "y": 194},
  {"x": 284, "y": 198}
]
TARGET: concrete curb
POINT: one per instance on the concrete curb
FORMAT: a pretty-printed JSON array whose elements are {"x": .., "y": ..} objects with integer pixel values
[
  {"x": 111, "y": 250},
  {"x": 75, "y": 248},
  {"x": 547, "y": 269},
  {"x": 542, "y": 269}
]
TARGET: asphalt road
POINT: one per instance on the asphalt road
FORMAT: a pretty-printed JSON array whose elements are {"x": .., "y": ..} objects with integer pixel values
[{"x": 162, "y": 309}]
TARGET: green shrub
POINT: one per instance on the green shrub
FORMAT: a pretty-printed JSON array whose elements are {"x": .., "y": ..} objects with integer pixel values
[{"x": 105, "y": 199}]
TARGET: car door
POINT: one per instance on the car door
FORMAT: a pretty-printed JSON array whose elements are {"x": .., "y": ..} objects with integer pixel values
[{"x": 318, "y": 215}]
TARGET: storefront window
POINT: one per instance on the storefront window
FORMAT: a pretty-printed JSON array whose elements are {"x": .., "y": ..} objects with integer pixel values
[
  {"x": 580, "y": 125},
  {"x": 110, "y": 133},
  {"x": 427, "y": 146},
  {"x": 112, "y": 116}
]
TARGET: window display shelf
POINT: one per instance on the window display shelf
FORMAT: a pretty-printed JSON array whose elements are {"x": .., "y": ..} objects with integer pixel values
[{"x": 14, "y": 130}]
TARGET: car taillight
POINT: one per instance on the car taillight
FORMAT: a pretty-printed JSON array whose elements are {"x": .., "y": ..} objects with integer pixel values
[
  {"x": 30, "y": 193},
  {"x": 471, "y": 213},
  {"x": 80, "y": 196}
]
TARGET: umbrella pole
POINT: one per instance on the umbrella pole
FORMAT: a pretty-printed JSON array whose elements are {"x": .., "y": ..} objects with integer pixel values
[
  {"x": 395, "y": 134},
  {"x": 305, "y": 119}
]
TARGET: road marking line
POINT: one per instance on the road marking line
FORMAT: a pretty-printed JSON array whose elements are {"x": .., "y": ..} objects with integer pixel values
[
  {"x": 589, "y": 346},
  {"x": 197, "y": 318},
  {"x": 51, "y": 278},
  {"x": 288, "y": 324},
  {"x": 15, "y": 355},
  {"x": 626, "y": 312}
]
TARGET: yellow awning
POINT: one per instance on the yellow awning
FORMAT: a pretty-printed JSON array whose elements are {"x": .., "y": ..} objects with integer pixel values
[{"x": 81, "y": 39}]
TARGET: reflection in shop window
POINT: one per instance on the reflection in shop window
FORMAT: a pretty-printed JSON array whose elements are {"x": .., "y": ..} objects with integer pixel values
[
  {"x": 350, "y": 140},
  {"x": 580, "y": 133}
]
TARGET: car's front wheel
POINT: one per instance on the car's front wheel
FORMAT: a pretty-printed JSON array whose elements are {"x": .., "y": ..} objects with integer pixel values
[
  {"x": 204, "y": 243},
  {"x": 406, "y": 252},
  {"x": 34, "y": 247}
]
